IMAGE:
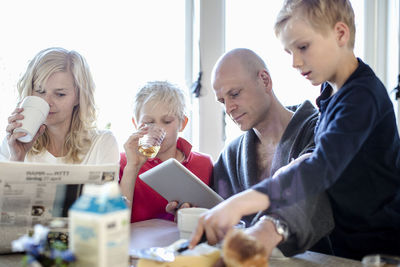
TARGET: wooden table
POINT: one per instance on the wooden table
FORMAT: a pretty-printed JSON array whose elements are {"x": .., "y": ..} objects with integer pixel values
[
  {"x": 161, "y": 233},
  {"x": 313, "y": 259}
]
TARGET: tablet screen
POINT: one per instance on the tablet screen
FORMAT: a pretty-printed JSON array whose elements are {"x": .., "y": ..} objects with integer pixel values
[{"x": 176, "y": 183}]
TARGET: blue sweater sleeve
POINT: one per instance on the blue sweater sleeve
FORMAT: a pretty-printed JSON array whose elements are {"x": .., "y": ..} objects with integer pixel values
[{"x": 346, "y": 122}]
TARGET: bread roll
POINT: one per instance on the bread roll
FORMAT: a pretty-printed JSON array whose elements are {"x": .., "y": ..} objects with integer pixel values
[{"x": 242, "y": 250}]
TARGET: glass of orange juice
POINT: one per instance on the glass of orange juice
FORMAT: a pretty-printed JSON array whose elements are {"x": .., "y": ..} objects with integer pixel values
[{"x": 149, "y": 145}]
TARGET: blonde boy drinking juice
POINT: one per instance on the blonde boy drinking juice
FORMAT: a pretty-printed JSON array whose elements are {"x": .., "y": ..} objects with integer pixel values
[
  {"x": 162, "y": 104},
  {"x": 357, "y": 155}
]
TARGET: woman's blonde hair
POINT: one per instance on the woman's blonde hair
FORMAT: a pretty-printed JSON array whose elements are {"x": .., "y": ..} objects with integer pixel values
[
  {"x": 321, "y": 15},
  {"x": 161, "y": 92},
  {"x": 41, "y": 67}
]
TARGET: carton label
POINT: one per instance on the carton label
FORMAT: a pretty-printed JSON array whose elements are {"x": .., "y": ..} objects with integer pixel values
[{"x": 98, "y": 205}]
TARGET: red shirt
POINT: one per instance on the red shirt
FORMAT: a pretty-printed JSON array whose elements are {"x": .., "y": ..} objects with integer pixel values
[{"x": 147, "y": 203}]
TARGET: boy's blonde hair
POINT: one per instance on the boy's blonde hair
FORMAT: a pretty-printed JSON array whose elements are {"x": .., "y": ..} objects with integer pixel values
[
  {"x": 321, "y": 15},
  {"x": 41, "y": 67},
  {"x": 161, "y": 92}
]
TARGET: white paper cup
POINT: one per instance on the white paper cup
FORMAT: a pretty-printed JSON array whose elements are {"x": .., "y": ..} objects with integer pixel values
[
  {"x": 187, "y": 221},
  {"x": 35, "y": 113}
]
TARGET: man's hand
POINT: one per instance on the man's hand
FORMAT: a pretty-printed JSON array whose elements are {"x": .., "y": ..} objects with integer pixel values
[{"x": 173, "y": 207}]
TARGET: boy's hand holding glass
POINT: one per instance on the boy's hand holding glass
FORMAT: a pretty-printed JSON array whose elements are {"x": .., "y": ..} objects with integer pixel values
[{"x": 135, "y": 158}]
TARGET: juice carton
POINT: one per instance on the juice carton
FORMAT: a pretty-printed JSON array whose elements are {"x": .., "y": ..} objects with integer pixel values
[{"x": 99, "y": 225}]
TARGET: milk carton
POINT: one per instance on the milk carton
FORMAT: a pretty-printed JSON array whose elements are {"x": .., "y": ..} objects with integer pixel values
[{"x": 99, "y": 224}]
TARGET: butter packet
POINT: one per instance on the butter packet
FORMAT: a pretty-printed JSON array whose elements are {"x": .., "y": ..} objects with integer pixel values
[{"x": 202, "y": 255}]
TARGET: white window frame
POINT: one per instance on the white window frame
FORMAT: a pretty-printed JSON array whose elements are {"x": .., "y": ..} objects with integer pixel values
[
  {"x": 208, "y": 114},
  {"x": 381, "y": 43}
]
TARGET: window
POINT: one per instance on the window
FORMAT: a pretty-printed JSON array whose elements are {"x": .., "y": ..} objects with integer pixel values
[
  {"x": 249, "y": 24},
  {"x": 126, "y": 43}
]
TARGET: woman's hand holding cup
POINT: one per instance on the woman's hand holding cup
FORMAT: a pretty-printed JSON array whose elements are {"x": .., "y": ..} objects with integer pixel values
[{"x": 25, "y": 125}]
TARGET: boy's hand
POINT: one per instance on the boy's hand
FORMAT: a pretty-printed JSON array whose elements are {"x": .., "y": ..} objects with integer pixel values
[
  {"x": 216, "y": 223},
  {"x": 220, "y": 219},
  {"x": 131, "y": 146}
]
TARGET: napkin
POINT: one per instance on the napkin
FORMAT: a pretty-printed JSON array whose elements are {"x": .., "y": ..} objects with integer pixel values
[{"x": 202, "y": 255}]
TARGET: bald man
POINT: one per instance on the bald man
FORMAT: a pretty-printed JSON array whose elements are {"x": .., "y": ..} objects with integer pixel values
[{"x": 274, "y": 136}]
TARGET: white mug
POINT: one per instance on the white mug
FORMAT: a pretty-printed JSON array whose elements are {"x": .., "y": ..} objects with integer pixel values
[
  {"x": 187, "y": 221},
  {"x": 35, "y": 113}
]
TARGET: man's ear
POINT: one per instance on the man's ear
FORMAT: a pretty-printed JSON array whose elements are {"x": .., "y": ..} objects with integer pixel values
[
  {"x": 266, "y": 79},
  {"x": 342, "y": 32},
  {"x": 134, "y": 122},
  {"x": 184, "y": 123}
]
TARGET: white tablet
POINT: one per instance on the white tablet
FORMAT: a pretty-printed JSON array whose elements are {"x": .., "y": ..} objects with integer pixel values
[{"x": 174, "y": 182}]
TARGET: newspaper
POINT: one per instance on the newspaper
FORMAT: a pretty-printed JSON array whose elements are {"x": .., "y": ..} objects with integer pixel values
[{"x": 32, "y": 193}]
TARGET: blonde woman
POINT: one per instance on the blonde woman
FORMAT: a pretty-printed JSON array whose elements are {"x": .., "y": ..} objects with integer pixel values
[{"x": 69, "y": 135}]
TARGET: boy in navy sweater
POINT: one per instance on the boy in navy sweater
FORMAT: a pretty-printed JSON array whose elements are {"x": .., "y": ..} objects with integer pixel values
[{"x": 357, "y": 155}]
